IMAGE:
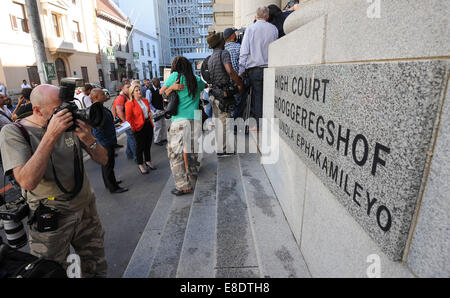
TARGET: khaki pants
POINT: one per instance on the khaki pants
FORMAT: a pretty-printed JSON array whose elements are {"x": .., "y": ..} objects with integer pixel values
[
  {"x": 222, "y": 131},
  {"x": 179, "y": 136},
  {"x": 83, "y": 230}
]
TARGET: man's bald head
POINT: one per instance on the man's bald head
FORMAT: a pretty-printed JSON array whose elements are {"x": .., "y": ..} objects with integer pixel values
[
  {"x": 44, "y": 95},
  {"x": 45, "y": 100},
  {"x": 97, "y": 95}
]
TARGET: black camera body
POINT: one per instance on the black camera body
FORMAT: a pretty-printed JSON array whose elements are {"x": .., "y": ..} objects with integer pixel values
[{"x": 94, "y": 115}]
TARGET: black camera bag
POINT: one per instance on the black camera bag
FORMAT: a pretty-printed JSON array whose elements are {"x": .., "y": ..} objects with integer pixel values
[
  {"x": 17, "y": 264},
  {"x": 173, "y": 101}
]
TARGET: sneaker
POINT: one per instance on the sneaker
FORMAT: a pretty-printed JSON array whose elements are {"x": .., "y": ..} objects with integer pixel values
[
  {"x": 181, "y": 192},
  {"x": 225, "y": 154}
]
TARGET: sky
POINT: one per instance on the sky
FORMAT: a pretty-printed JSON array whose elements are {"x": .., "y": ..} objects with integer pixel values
[{"x": 141, "y": 13}]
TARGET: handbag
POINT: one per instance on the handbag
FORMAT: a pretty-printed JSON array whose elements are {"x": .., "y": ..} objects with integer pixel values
[{"x": 173, "y": 102}]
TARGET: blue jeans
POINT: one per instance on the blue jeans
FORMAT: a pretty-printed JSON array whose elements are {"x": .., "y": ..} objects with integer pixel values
[
  {"x": 131, "y": 145},
  {"x": 241, "y": 102},
  {"x": 208, "y": 110}
]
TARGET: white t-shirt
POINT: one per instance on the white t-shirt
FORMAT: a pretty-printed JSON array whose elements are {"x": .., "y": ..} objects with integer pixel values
[
  {"x": 25, "y": 86},
  {"x": 83, "y": 101}
]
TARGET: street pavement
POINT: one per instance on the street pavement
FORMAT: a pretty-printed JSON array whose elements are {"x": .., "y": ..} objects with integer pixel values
[{"x": 124, "y": 216}]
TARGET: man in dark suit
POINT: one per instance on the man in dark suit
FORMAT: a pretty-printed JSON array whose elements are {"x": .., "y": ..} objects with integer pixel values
[{"x": 106, "y": 136}]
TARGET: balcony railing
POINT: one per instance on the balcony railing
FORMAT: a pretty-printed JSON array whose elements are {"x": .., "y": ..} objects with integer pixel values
[{"x": 206, "y": 11}]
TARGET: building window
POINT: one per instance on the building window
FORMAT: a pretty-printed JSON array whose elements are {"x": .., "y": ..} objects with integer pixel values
[
  {"x": 142, "y": 48},
  {"x": 130, "y": 71},
  {"x": 150, "y": 68},
  {"x": 120, "y": 43},
  {"x": 113, "y": 73},
  {"x": 85, "y": 74},
  {"x": 110, "y": 38},
  {"x": 148, "y": 49},
  {"x": 144, "y": 71},
  {"x": 76, "y": 34},
  {"x": 19, "y": 21},
  {"x": 57, "y": 24},
  {"x": 154, "y": 51},
  {"x": 127, "y": 49}
]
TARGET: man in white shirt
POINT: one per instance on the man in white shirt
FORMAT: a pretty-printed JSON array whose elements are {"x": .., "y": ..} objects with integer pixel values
[
  {"x": 254, "y": 56},
  {"x": 83, "y": 100},
  {"x": 25, "y": 84}
]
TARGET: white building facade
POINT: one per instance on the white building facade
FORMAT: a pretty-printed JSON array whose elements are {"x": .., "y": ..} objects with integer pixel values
[
  {"x": 69, "y": 38},
  {"x": 146, "y": 55},
  {"x": 116, "y": 53}
]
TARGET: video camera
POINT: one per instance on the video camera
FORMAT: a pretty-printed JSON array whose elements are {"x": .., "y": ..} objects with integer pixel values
[
  {"x": 225, "y": 95},
  {"x": 164, "y": 113},
  {"x": 240, "y": 35},
  {"x": 94, "y": 115}
]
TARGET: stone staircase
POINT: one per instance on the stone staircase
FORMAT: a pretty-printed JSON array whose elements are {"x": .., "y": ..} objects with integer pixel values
[{"x": 232, "y": 226}]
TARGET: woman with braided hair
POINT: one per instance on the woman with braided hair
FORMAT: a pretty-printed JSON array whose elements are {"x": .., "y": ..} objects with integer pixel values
[{"x": 182, "y": 136}]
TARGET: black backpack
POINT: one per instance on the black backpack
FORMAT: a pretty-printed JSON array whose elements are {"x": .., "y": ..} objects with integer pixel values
[
  {"x": 205, "y": 71},
  {"x": 17, "y": 264}
]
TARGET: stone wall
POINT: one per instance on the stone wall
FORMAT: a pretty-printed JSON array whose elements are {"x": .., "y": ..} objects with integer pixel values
[
  {"x": 391, "y": 42},
  {"x": 245, "y": 11}
]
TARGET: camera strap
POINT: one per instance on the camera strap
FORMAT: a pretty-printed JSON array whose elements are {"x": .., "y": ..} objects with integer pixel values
[
  {"x": 24, "y": 133},
  {"x": 78, "y": 173},
  {"x": 78, "y": 166}
]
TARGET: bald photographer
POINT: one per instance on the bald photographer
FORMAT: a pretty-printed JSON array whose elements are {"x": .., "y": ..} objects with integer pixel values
[{"x": 43, "y": 152}]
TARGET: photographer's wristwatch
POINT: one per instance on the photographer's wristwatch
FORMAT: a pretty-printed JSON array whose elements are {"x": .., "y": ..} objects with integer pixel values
[{"x": 93, "y": 146}]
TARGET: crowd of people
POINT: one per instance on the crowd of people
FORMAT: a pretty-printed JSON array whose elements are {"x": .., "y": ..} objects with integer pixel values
[{"x": 48, "y": 164}]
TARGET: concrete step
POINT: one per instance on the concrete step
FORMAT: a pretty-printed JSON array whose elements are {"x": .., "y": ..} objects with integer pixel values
[
  {"x": 143, "y": 256},
  {"x": 165, "y": 263},
  {"x": 198, "y": 252},
  {"x": 277, "y": 252},
  {"x": 235, "y": 249}
]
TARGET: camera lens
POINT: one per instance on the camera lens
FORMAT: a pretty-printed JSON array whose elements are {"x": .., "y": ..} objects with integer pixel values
[
  {"x": 15, "y": 233},
  {"x": 94, "y": 115}
]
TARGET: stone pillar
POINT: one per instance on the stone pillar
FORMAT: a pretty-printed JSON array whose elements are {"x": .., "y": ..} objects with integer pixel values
[{"x": 385, "y": 71}]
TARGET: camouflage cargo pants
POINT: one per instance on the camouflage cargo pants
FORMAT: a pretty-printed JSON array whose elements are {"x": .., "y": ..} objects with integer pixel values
[
  {"x": 83, "y": 230},
  {"x": 181, "y": 138}
]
